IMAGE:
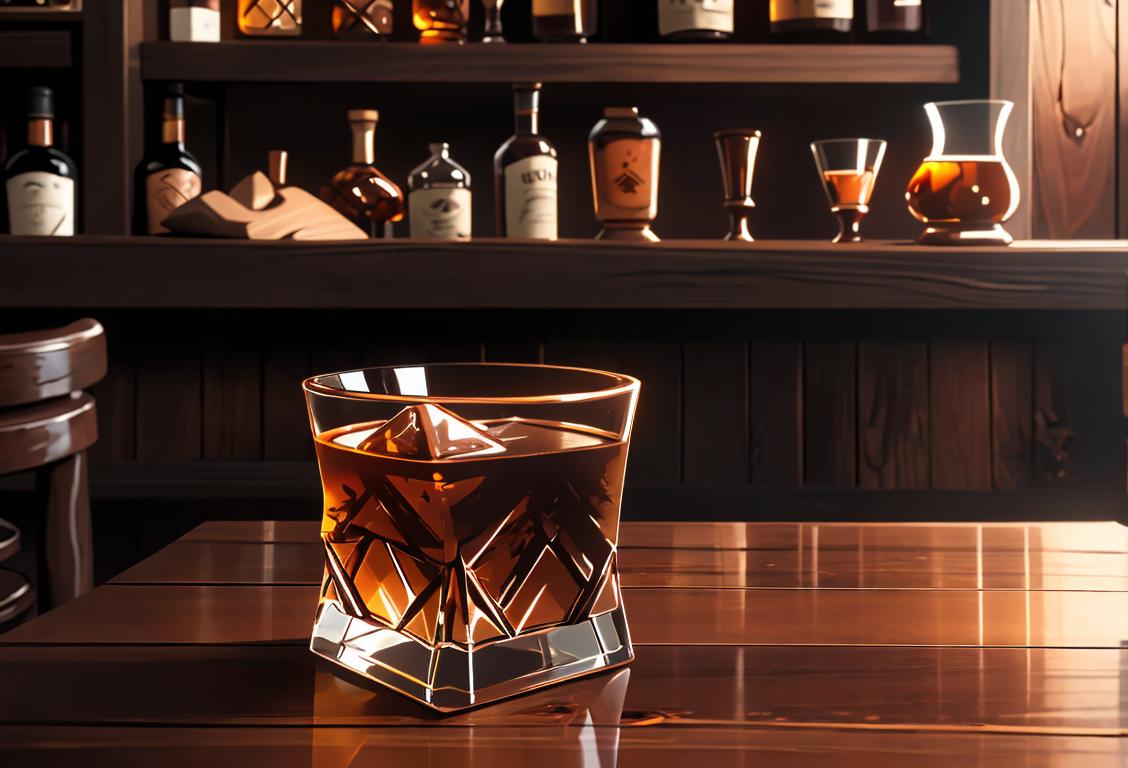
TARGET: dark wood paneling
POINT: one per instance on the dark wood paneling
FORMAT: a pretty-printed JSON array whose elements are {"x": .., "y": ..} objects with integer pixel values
[
  {"x": 775, "y": 385},
  {"x": 35, "y": 48},
  {"x": 285, "y": 425},
  {"x": 715, "y": 442},
  {"x": 830, "y": 444},
  {"x": 232, "y": 391},
  {"x": 1054, "y": 420},
  {"x": 408, "y": 62},
  {"x": 169, "y": 423},
  {"x": 116, "y": 403},
  {"x": 1011, "y": 413},
  {"x": 960, "y": 415},
  {"x": 893, "y": 417},
  {"x": 656, "y": 448},
  {"x": 567, "y": 274}
]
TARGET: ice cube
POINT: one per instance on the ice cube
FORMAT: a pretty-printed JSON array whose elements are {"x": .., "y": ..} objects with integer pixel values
[{"x": 430, "y": 432}]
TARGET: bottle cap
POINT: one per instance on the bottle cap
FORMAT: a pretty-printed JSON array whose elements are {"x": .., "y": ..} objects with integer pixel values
[
  {"x": 364, "y": 116},
  {"x": 276, "y": 166},
  {"x": 527, "y": 86},
  {"x": 438, "y": 147},
  {"x": 41, "y": 103},
  {"x": 612, "y": 113}
]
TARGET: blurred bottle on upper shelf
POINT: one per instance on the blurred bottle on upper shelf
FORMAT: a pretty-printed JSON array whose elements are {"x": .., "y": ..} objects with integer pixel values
[
  {"x": 362, "y": 19},
  {"x": 270, "y": 18},
  {"x": 439, "y": 197},
  {"x": 525, "y": 173},
  {"x": 441, "y": 21},
  {"x": 492, "y": 31},
  {"x": 895, "y": 19},
  {"x": 40, "y": 179},
  {"x": 812, "y": 20},
  {"x": 360, "y": 192},
  {"x": 193, "y": 21},
  {"x": 169, "y": 176},
  {"x": 695, "y": 20},
  {"x": 565, "y": 21}
]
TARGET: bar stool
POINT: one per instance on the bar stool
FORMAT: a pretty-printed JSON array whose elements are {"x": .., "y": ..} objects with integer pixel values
[{"x": 46, "y": 423}]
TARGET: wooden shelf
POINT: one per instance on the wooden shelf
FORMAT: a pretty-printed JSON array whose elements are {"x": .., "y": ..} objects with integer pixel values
[
  {"x": 309, "y": 61},
  {"x": 35, "y": 48},
  {"x": 139, "y": 272}
]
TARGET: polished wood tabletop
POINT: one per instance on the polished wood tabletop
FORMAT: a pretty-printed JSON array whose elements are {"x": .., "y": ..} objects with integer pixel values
[{"x": 757, "y": 644}]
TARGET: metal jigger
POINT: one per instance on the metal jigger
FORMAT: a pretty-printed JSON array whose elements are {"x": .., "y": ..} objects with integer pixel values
[{"x": 736, "y": 150}]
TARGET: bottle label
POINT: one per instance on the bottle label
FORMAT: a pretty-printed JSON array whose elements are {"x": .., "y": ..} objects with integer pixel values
[
  {"x": 683, "y": 15},
  {"x": 554, "y": 7},
  {"x": 630, "y": 173},
  {"x": 166, "y": 190},
  {"x": 530, "y": 198},
  {"x": 441, "y": 213},
  {"x": 40, "y": 203},
  {"x": 791, "y": 10},
  {"x": 193, "y": 24}
]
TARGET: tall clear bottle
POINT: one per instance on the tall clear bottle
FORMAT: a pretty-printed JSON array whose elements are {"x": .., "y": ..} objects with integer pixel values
[
  {"x": 439, "y": 198},
  {"x": 169, "y": 176},
  {"x": 360, "y": 192},
  {"x": 525, "y": 173},
  {"x": 565, "y": 21},
  {"x": 40, "y": 179}
]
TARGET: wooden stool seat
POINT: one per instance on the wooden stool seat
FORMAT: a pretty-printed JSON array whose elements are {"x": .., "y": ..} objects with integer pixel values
[
  {"x": 16, "y": 595},
  {"x": 35, "y": 435},
  {"x": 9, "y": 540}
]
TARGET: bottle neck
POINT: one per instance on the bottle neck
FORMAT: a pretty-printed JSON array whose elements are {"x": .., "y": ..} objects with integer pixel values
[
  {"x": 526, "y": 112},
  {"x": 40, "y": 132},
  {"x": 172, "y": 130},
  {"x": 364, "y": 143}
]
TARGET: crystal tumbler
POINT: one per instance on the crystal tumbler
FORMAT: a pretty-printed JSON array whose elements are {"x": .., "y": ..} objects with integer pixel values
[{"x": 470, "y": 526}]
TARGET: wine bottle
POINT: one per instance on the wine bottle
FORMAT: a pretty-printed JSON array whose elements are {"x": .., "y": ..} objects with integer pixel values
[
  {"x": 894, "y": 18},
  {"x": 525, "y": 174},
  {"x": 695, "y": 19},
  {"x": 439, "y": 197},
  {"x": 812, "y": 19},
  {"x": 565, "y": 21},
  {"x": 169, "y": 176},
  {"x": 40, "y": 179}
]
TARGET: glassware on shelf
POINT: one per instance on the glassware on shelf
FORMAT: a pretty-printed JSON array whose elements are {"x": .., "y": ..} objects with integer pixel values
[
  {"x": 361, "y": 192},
  {"x": 565, "y": 21},
  {"x": 736, "y": 150},
  {"x": 964, "y": 191},
  {"x": 470, "y": 526},
  {"x": 441, "y": 21},
  {"x": 439, "y": 197},
  {"x": 270, "y": 18},
  {"x": 624, "y": 150},
  {"x": 362, "y": 19},
  {"x": 848, "y": 169},
  {"x": 493, "y": 32}
]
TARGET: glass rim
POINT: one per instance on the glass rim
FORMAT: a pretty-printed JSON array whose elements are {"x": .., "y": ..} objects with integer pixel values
[
  {"x": 623, "y": 384},
  {"x": 966, "y": 102},
  {"x": 751, "y": 132},
  {"x": 847, "y": 140}
]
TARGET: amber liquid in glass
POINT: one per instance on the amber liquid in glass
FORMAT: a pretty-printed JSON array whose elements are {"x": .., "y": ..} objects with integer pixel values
[
  {"x": 964, "y": 190},
  {"x": 479, "y": 546},
  {"x": 441, "y": 21},
  {"x": 849, "y": 189}
]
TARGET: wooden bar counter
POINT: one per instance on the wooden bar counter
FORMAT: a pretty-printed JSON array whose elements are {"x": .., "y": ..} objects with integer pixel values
[{"x": 757, "y": 644}]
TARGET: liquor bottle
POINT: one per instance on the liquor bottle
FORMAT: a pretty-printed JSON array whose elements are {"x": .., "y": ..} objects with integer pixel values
[
  {"x": 812, "y": 19},
  {"x": 169, "y": 176},
  {"x": 362, "y": 19},
  {"x": 525, "y": 174},
  {"x": 360, "y": 192},
  {"x": 565, "y": 21},
  {"x": 270, "y": 18},
  {"x": 193, "y": 21},
  {"x": 624, "y": 151},
  {"x": 40, "y": 180},
  {"x": 895, "y": 18},
  {"x": 492, "y": 31},
  {"x": 695, "y": 19},
  {"x": 441, "y": 21},
  {"x": 439, "y": 198}
]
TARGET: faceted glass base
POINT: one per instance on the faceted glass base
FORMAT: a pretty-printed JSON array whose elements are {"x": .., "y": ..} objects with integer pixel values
[
  {"x": 965, "y": 234},
  {"x": 448, "y": 678}
]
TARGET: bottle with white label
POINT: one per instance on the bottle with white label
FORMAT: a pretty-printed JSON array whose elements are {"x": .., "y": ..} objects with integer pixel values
[
  {"x": 525, "y": 174},
  {"x": 812, "y": 19},
  {"x": 193, "y": 21},
  {"x": 40, "y": 180},
  {"x": 691, "y": 20},
  {"x": 439, "y": 198}
]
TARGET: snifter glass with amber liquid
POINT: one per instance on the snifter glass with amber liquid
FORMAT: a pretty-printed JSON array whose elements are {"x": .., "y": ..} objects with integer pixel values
[
  {"x": 848, "y": 169},
  {"x": 964, "y": 191},
  {"x": 470, "y": 526}
]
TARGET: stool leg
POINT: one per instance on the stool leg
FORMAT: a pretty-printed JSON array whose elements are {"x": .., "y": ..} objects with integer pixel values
[{"x": 69, "y": 551}]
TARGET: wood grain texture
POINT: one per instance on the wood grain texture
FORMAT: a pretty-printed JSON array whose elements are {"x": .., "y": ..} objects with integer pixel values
[
  {"x": 775, "y": 406},
  {"x": 408, "y": 62},
  {"x": 573, "y": 274},
  {"x": 830, "y": 443},
  {"x": 1011, "y": 414},
  {"x": 960, "y": 415},
  {"x": 116, "y": 402},
  {"x": 169, "y": 404},
  {"x": 232, "y": 402},
  {"x": 1073, "y": 82},
  {"x": 715, "y": 412},
  {"x": 893, "y": 416},
  {"x": 285, "y": 425},
  {"x": 1054, "y": 427},
  {"x": 1011, "y": 75}
]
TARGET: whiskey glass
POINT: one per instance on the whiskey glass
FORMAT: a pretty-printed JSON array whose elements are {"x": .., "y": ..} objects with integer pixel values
[
  {"x": 848, "y": 169},
  {"x": 470, "y": 526},
  {"x": 493, "y": 32},
  {"x": 964, "y": 190},
  {"x": 270, "y": 18},
  {"x": 736, "y": 149}
]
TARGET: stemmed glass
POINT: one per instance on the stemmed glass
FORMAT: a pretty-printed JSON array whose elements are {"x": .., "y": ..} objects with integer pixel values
[
  {"x": 848, "y": 169},
  {"x": 493, "y": 33}
]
